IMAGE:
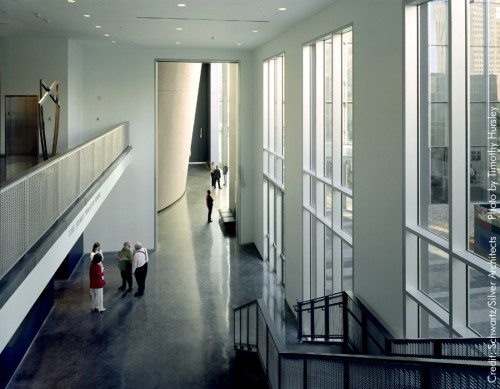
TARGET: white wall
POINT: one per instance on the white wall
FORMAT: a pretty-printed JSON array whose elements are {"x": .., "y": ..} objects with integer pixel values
[
  {"x": 24, "y": 61},
  {"x": 75, "y": 94},
  {"x": 378, "y": 154}
]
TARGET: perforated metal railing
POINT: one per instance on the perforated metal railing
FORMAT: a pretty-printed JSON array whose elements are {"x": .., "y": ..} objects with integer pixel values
[
  {"x": 31, "y": 203},
  {"x": 254, "y": 331},
  {"x": 457, "y": 348}
]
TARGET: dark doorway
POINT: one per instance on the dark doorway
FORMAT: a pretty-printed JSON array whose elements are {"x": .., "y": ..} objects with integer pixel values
[
  {"x": 200, "y": 143},
  {"x": 21, "y": 129}
]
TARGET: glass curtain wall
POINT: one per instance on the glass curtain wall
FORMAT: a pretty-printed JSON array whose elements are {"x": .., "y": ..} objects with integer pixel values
[
  {"x": 328, "y": 168},
  {"x": 274, "y": 164},
  {"x": 451, "y": 138}
]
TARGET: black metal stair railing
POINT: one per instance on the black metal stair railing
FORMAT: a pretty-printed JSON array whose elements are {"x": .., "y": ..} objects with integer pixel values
[
  {"x": 342, "y": 318},
  {"x": 255, "y": 331}
]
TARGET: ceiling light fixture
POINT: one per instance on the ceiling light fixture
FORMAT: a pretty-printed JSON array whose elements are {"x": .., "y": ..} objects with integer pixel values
[
  {"x": 177, "y": 43},
  {"x": 113, "y": 41},
  {"x": 86, "y": 16},
  {"x": 255, "y": 30},
  {"x": 179, "y": 29},
  {"x": 98, "y": 26},
  {"x": 106, "y": 34},
  {"x": 71, "y": 1},
  {"x": 181, "y": 5},
  {"x": 282, "y": 9}
]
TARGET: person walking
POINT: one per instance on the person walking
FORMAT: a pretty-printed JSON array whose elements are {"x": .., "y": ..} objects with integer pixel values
[
  {"x": 140, "y": 268},
  {"x": 224, "y": 172},
  {"x": 210, "y": 204},
  {"x": 124, "y": 259},
  {"x": 217, "y": 177},
  {"x": 97, "y": 283}
]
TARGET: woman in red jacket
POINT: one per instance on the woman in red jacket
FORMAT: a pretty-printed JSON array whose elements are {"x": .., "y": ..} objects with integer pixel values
[{"x": 96, "y": 275}]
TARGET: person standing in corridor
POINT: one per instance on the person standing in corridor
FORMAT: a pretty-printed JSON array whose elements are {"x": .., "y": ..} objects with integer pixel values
[
  {"x": 124, "y": 259},
  {"x": 224, "y": 172},
  {"x": 217, "y": 177},
  {"x": 140, "y": 268},
  {"x": 210, "y": 204},
  {"x": 96, "y": 276}
]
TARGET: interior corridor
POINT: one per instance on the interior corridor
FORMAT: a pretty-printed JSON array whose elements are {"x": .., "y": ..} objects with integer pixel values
[{"x": 180, "y": 333}]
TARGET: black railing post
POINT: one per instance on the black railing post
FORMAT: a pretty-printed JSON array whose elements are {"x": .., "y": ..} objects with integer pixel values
[
  {"x": 279, "y": 370},
  {"x": 257, "y": 327},
  {"x": 267, "y": 353},
  {"x": 299, "y": 321},
  {"x": 388, "y": 347},
  {"x": 345, "y": 317},
  {"x": 364, "y": 333},
  {"x": 327, "y": 319},
  {"x": 234, "y": 327},
  {"x": 248, "y": 326},
  {"x": 312, "y": 319},
  {"x": 438, "y": 348}
]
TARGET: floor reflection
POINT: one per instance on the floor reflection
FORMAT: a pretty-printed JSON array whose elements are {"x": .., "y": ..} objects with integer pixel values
[{"x": 180, "y": 333}]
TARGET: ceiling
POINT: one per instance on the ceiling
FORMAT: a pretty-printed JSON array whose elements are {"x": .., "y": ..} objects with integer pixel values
[{"x": 221, "y": 24}]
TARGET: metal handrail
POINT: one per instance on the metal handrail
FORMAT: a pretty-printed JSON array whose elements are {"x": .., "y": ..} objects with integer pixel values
[
  {"x": 371, "y": 334},
  {"x": 32, "y": 202},
  {"x": 290, "y": 370}
]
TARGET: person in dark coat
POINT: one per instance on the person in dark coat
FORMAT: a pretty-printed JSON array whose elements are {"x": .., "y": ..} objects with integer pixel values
[
  {"x": 217, "y": 177},
  {"x": 210, "y": 204}
]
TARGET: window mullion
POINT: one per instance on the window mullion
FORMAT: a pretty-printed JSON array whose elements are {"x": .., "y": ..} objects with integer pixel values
[{"x": 458, "y": 162}]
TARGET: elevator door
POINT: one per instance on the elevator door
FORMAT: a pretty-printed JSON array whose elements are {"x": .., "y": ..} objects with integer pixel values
[{"x": 21, "y": 130}]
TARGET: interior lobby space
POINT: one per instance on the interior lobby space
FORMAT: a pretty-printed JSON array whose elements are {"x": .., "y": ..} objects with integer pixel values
[{"x": 180, "y": 333}]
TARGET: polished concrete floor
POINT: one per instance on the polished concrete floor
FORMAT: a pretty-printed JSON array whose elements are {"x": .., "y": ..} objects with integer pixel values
[{"x": 180, "y": 333}]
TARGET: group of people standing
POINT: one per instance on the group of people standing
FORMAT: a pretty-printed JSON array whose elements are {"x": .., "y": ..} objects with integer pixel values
[
  {"x": 215, "y": 174},
  {"x": 130, "y": 263},
  {"x": 215, "y": 179}
]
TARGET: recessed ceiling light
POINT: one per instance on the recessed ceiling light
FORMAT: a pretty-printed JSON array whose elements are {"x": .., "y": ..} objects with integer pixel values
[
  {"x": 71, "y": 1},
  {"x": 181, "y": 5},
  {"x": 177, "y": 43},
  {"x": 238, "y": 44},
  {"x": 98, "y": 26},
  {"x": 282, "y": 9},
  {"x": 255, "y": 30},
  {"x": 86, "y": 16},
  {"x": 106, "y": 34},
  {"x": 113, "y": 41},
  {"x": 179, "y": 29}
]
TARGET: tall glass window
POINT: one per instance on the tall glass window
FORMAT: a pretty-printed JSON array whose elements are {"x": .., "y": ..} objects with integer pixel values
[
  {"x": 451, "y": 138},
  {"x": 274, "y": 163},
  {"x": 484, "y": 128},
  {"x": 328, "y": 167}
]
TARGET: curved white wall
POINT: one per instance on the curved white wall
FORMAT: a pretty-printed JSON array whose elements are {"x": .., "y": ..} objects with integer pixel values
[{"x": 177, "y": 94}]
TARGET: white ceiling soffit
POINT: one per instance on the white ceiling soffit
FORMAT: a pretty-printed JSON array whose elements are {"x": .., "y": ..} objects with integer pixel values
[{"x": 157, "y": 23}]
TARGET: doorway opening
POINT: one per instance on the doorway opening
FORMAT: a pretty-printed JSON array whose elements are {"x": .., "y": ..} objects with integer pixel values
[{"x": 197, "y": 121}]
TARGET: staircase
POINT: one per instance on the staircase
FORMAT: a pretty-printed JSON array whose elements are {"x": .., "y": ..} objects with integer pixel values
[{"x": 342, "y": 345}]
